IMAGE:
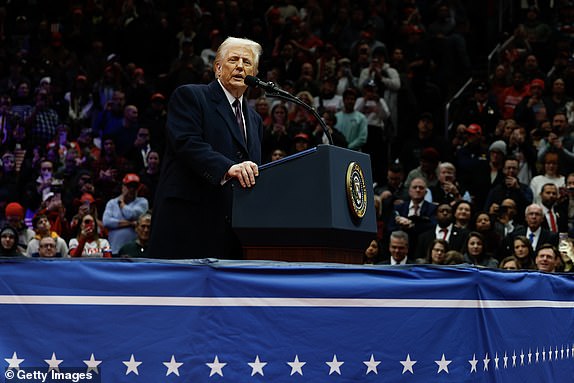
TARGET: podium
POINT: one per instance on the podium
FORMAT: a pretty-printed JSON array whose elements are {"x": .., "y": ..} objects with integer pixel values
[{"x": 314, "y": 206}]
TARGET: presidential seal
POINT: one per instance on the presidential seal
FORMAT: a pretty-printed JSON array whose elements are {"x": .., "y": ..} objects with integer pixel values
[{"x": 356, "y": 190}]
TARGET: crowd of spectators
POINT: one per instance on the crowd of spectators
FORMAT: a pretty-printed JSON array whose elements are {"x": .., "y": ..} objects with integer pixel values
[{"x": 84, "y": 87}]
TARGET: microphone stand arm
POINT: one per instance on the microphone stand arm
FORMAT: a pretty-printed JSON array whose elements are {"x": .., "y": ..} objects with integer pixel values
[{"x": 291, "y": 98}]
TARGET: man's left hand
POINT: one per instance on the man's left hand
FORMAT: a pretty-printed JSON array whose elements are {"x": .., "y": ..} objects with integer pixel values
[{"x": 245, "y": 172}]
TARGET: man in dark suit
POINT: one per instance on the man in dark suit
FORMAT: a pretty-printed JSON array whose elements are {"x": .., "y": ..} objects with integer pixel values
[
  {"x": 533, "y": 230},
  {"x": 399, "y": 253},
  {"x": 213, "y": 138},
  {"x": 416, "y": 215},
  {"x": 444, "y": 229}
]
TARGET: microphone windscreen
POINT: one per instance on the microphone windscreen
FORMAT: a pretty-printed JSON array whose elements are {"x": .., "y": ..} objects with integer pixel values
[{"x": 251, "y": 81}]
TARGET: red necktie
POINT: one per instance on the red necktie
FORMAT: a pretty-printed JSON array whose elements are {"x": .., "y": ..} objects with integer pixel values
[
  {"x": 552, "y": 221},
  {"x": 444, "y": 233}
]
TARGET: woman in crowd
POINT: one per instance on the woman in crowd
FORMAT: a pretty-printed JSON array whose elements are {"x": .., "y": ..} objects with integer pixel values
[
  {"x": 483, "y": 224},
  {"x": 372, "y": 253},
  {"x": 462, "y": 214},
  {"x": 9, "y": 243},
  {"x": 436, "y": 252},
  {"x": 509, "y": 263},
  {"x": 88, "y": 243},
  {"x": 475, "y": 251},
  {"x": 522, "y": 250}
]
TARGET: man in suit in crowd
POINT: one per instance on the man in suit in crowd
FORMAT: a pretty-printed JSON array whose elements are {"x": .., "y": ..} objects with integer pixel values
[
  {"x": 416, "y": 215},
  {"x": 213, "y": 139},
  {"x": 399, "y": 249},
  {"x": 533, "y": 230},
  {"x": 444, "y": 229}
]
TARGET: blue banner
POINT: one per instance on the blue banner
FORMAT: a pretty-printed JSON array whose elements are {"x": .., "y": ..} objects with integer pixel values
[{"x": 204, "y": 321}]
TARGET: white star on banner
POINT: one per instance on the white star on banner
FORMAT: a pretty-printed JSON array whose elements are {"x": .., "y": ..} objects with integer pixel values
[
  {"x": 562, "y": 352},
  {"x": 53, "y": 363},
  {"x": 514, "y": 358},
  {"x": 544, "y": 354},
  {"x": 296, "y": 366},
  {"x": 567, "y": 352},
  {"x": 473, "y": 362},
  {"x": 372, "y": 365},
  {"x": 408, "y": 364},
  {"x": 486, "y": 361},
  {"x": 550, "y": 354},
  {"x": 505, "y": 360},
  {"x": 92, "y": 364},
  {"x": 132, "y": 365},
  {"x": 537, "y": 354},
  {"x": 172, "y": 366},
  {"x": 572, "y": 351},
  {"x": 556, "y": 353},
  {"x": 335, "y": 365},
  {"x": 216, "y": 367},
  {"x": 522, "y": 357},
  {"x": 529, "y": 356},
  {"x": 443, "y": 364},
  {"x": 496, "y": 359},
  {"x": 257, "y": 366},
  {"x": 14, "y": 362}
]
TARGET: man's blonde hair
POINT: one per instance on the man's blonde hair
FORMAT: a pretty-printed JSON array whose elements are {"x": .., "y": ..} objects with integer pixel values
[{"x": 231, "y": 42}]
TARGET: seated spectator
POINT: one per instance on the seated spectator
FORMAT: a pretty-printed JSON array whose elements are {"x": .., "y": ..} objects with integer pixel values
[
  {"x": 475, "y": 251},
  {"x": 138, "y": 248},
  {"x": 453, "y": 257},
  {"x": 462, "y": 214},
  {"x": 523, "y": 252},
  {"x": 47, "y": 248},
  {"x": 121, "y": 213},
  {"x": 88, "y": 243},
  {"x": 372, "y": 253},
  {"x": 43, "y": 228},
  {"x": 435, "y": 253},
  {"x": 509, "y": 263},
  {"x": 483, "y": 224},
  {"x": 399, "y": 249},
  {"x": 547, "y": 258},
  {"x": 14, "y": 213},
  {"x": 9, "y": 242}
]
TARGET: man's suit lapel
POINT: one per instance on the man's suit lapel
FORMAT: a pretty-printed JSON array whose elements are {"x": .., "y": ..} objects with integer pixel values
[{"x": 226, "y": 112}]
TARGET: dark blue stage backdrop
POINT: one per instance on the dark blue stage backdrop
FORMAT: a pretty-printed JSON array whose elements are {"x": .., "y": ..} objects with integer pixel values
[{"x": 271, "y": 322}]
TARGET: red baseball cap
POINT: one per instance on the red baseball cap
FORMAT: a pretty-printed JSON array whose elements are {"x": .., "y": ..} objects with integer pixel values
[{"x": 474, "y": 129}]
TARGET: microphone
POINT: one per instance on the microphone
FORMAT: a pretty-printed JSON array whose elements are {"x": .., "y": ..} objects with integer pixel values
[{"x": 266, "y": 86}]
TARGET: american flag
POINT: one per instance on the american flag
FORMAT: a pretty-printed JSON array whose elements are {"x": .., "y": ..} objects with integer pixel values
[{"x": 202, "y": 321}]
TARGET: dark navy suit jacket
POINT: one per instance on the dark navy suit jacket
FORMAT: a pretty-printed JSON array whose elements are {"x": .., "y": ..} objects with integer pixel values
[{"x": 192, "y": 210}]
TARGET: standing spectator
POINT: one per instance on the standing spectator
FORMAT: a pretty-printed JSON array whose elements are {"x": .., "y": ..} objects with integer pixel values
[
  {"x": 536, "y": 234},
  {"x": 481, "y": 109},
  {"x": 43, "y": 121},
  {"x": 121, "y": 213},
  {"x": 511, "y": 96},
  {"x": 351, "y": 123},
  {"x": 444, "y": 230},
  {"x": 109, "y": 169},
  {"x": 551, "y": 174},
  {"x": 555, "y": 213},
  {"x": 327, "y": 98},
  {"x": 149, "y": 176},
  {"x": 532, "y": 109},
  {"x": 511, "y": 188}
]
